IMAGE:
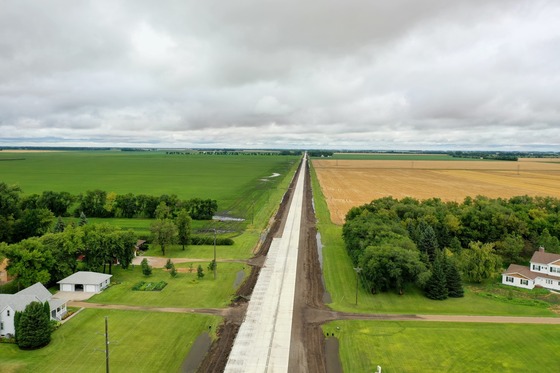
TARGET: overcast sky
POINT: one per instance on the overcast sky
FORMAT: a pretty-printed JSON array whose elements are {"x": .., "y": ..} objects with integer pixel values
[{"x": 371, "y": 74}]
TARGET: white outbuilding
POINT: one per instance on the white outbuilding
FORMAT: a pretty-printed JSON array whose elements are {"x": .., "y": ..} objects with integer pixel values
[{"x": 88, "y": 282}]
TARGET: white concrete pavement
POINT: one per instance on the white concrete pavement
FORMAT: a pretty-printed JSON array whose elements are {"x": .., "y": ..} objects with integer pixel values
[{"x": 263, "y": 341}]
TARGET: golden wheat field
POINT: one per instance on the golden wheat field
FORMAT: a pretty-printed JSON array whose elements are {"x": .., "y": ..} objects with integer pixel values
[{"x": 348, "y": 183}]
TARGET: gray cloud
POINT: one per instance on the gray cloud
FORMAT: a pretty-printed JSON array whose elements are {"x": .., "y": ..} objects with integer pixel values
[{"x": 356, "y": 74}]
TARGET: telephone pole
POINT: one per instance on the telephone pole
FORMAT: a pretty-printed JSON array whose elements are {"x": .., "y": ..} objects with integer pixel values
[
  {"x": 358, "y": 270},
  {"x": 106, "y": 344},
  {"x": 215, "y": 264}
]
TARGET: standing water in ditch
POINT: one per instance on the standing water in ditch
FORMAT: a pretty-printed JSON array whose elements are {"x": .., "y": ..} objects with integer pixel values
[{"x": 326, "y": 295}]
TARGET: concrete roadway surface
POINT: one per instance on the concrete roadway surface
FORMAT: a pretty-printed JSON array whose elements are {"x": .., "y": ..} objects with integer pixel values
[{"x": 263, "y": 341}]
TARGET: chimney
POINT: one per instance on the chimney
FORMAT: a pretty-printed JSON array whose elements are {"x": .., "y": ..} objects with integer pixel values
[{"x": 541, "y": 249}]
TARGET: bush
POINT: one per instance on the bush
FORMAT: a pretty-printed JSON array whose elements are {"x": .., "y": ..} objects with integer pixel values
[
  {"x": 33, "y": 327},
  {"x": 146, "y": 268}
]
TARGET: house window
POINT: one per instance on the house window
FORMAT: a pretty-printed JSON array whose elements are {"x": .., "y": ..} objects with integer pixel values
[
  {"x": 549, "y": 282},
  {"x": 524, "y": 282},
  {"x": 536, "y": 267},
  {"x": 1, "y": 325},
  {"x": 509, "y": 279},
  {"x": 8, "y": 313},
  {"x": 555, "y": 269}
]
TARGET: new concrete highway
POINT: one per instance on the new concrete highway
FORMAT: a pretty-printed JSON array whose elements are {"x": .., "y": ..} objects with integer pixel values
[{"x": 263, "y": 341}]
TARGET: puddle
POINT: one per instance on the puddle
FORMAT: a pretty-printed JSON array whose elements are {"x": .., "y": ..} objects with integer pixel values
[
  {"x": 326, "y": 295},
  {"x": 199, "y": 349},
  {"x": 332, "y": 355},
  {"x": 226, "y": 218},
  {"x": 239, "y": 279}
]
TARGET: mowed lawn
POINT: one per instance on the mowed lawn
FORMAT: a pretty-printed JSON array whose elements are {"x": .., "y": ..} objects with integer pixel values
[
  {"x": 185, "y": 290},
  {"x": 139, "y": 342},
  {"x": 446, "y": 347},
  {"x": 340, "y": 280}
]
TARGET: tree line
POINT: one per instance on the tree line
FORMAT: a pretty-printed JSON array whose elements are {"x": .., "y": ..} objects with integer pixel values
[
  {"x": 432, "y": 243},
  {"x": 32, "y": 215}
]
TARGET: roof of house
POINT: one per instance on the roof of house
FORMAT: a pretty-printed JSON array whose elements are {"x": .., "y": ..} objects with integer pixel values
[
  {"x": 521, "y": 270},
  {"x": 16, "y": 302},
  {"x": 85, "y": 277},
  {"x": 37, "y": 290},
  {"x": 33, "y": 293},
  {"x": 543, "y": 257}
]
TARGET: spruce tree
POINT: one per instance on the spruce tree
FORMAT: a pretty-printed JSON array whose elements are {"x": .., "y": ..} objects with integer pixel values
[
  {"x": 59, "y": 226},
  {"x": 200, "y": 272},
  {"x": 436, "y": 287},
  {"x": 33, "y": 329},
  {"x": 428, "y": 243},
  {"x": 83, "y": 219},
  {"x": 454, "y": 282}
]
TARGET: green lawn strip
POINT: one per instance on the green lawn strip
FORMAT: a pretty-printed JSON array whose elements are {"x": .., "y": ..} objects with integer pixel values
[
  {"x": 140, "y": 342},
  {"x": 340, "y": 280},
  {"x": 446, "y": 347},
  {"x": 184, "y": 290}
]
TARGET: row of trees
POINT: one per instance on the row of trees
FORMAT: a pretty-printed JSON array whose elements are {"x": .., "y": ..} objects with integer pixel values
[
  {"x": 54, "y": 256},
  {"x": 29, "y": 216},
  {"x": 399, "y": 242}
]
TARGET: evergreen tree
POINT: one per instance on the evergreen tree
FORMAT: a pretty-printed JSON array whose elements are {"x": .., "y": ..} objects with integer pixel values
[
  {"x": 146, "y": 268},
  {"x": 427, "y": 242},
  {"x": 200, "y": 272},
  {"x": 173, "y": 271},
  {"x": 436, "y": 286},
  {"x": 169, "y": 264},
  {"x": 33, "y": 328},
  {"x": 453, "y": 278},
  {"x": 83, "y": 219},
  {"x": 59, "y": 226}
]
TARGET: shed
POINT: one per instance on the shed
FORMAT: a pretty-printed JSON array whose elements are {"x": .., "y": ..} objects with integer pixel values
[{"x": 88, "y": 282}]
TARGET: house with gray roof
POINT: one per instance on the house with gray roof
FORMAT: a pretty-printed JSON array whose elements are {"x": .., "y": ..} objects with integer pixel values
[
  {"x": 543, "y": 271},
  {"x": 88, "y": 282},
  {"x": 10, "y": 303}
]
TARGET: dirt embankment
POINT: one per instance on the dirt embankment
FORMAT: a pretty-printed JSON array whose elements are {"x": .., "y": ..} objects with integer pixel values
[{"x": 216, "y": 359}]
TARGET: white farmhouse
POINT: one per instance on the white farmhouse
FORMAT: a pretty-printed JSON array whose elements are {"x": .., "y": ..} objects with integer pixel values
[
  {"x": 88, "y": 282},
  {"x": 544, "y": 271},
  {"x": 10, "y": 303}
]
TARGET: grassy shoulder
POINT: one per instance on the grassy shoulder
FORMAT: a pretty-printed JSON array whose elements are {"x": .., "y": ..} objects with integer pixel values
[
  {"x": 184, "y": 290},
  {"x": 445, "y": 347},
  {"x": 141, "y": 342},
  {"x": 340, "y": 280}
]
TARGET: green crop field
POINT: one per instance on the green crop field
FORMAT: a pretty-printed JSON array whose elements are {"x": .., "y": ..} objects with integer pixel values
[
  {"x": 446, "y": 347},
  {"x": 340, "y": 280},
  {"x": 140, "y": 342},
  {"x": 235, "y": 181},
  {"x": 185, "y": 290}
]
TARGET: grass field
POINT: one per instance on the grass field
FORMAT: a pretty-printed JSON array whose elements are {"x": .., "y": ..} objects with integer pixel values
[
  {"x": 185, "y": 290},
  {"x": 446, "y": 347},
  {"x": 236, "y": 182},
  {"x": 140, "y": 342},
  {"x": 340, "y": 281},
  {"x": 349, "y": 183}
]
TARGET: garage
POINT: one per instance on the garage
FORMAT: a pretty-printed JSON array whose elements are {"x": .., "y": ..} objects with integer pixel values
[{"x": 85, "y": 281}]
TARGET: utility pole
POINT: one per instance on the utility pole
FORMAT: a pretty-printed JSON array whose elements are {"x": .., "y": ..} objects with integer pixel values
[
  {"x": 215, "y": 264},
  {"x": 106, "y": 344},
  {"x": 358, "y": 270}
]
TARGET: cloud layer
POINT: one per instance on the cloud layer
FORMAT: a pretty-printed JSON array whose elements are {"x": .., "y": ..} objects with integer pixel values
[{"x": 405, "y": 74}]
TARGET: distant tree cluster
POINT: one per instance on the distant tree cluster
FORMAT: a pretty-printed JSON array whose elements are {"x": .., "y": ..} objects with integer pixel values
[
  {"x": 496, "y": 156},
  {"x": 319, "y": 153},
  {"x": 434, "y": 243}
]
